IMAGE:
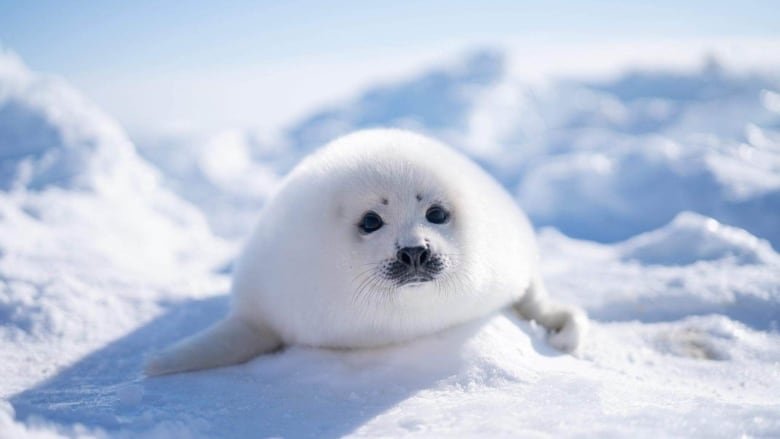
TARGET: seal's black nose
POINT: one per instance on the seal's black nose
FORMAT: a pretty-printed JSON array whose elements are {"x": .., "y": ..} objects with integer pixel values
[{"x": 413, "y": 256}]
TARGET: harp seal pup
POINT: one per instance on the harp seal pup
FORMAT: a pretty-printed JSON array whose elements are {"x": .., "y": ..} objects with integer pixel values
[{"x": 381, "y": 236}]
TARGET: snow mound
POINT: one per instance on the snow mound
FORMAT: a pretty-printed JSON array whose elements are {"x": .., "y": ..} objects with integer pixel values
[
  {"x": 638, "y": 185},
  {"x": 607, "y": 160},
  {"x": 229, "y": 176},
  {"x": 690, "y": 238},
  {"x": 69, "y": 167},
  {"x": 436, "y": 101},
  {"x": 87, "y": 232},
  {"x": 600, "y": 160},
  {"x": 693, "y": 266},
  {"x": 50, "y": 135}
]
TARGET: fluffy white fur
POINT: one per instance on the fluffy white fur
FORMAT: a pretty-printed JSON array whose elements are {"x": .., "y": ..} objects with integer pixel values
[{"x": 309, "y": 276}]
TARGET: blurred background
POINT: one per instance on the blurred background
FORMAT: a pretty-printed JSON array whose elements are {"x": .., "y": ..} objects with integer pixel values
[
  {"x": 165, "y": 68},
  {"x": 604, "y": 118}
]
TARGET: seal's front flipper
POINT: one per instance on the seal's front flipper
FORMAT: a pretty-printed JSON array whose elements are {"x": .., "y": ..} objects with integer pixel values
[
  {"x": 230, "y": 341},
  {"x": 567, "y": 324}
]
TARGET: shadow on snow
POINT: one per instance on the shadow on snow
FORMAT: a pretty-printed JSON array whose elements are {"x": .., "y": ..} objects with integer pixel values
[{"x": 298, "y": 392}]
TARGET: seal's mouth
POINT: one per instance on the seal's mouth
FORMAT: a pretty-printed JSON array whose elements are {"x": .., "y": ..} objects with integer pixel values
[
  {"x": 404, "y": 275},
  {"x": 415, "y": 280}
]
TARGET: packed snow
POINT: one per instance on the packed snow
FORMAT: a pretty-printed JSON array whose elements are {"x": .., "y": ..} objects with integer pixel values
[{"x": 657, "y": 198}]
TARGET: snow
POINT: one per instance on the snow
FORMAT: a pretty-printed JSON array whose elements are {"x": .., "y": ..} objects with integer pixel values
[
  {"x": 656, "y": 193},
  {"x": 691, "y": 237},
  {"x": 89, "y": 237},
  {"x": 579, "y": 153}
]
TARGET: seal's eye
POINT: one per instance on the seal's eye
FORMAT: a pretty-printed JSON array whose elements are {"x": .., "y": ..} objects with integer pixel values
[
  {"x": 371, "y": 222},
  {"x": 437, "y": 215}
]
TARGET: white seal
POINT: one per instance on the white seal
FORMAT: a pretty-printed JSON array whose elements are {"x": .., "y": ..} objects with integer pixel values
[{"x": 379, "y": 237}]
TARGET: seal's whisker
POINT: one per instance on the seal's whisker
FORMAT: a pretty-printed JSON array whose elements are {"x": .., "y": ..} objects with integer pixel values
[{"x": 361, "y": 274}]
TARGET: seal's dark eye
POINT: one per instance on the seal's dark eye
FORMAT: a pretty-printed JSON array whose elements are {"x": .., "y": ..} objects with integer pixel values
[
  {"x": 371, "y": 222},
  {"x": 437, "y": 215}
]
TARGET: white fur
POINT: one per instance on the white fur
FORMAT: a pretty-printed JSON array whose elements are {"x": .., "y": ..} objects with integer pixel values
[{"x": 305, "y": 275}]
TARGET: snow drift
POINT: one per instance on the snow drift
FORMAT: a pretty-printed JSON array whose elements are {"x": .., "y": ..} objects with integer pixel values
[
  {"x": 85, "y": 228},
  {"x": 600, "y": 160},
  {"x": 597, "y": 159},
  {"x": 670, "y": 179}
]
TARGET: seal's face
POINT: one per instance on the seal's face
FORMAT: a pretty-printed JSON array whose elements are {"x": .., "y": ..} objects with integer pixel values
[
  {"x": 415, "y": 264},
  {"x": 402, "y": 240}
]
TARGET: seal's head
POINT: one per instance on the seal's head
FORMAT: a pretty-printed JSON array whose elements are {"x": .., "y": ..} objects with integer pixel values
[{"x": 398, "y": 216}]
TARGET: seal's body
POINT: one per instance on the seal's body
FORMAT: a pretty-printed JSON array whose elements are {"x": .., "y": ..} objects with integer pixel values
[{"x": 380, "y": 237}]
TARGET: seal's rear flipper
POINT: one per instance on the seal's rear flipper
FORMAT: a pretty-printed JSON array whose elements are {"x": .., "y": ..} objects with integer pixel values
[
  {"x": 567, "y": 324},
  {"x": 230, "y": 341}
]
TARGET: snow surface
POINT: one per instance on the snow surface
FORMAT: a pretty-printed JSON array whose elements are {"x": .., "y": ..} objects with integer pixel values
[{"x": 658, "y": 193}]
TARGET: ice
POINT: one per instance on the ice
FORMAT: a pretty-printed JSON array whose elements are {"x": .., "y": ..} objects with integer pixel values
[{"x": 658, "y": 196}]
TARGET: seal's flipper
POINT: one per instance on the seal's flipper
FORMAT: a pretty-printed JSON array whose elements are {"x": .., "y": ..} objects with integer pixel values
[
  {"x": 567, "y": 324},
  {"x": 230, "y": 341}
]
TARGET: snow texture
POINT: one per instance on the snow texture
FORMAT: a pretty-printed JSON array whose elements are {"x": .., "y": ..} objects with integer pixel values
[{"x": 658, "y": 193}]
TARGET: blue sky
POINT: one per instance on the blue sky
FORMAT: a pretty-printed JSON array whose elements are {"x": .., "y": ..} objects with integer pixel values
[
  {"x": 77, "y": 36},
  {"x": 101, "y": 46}
]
